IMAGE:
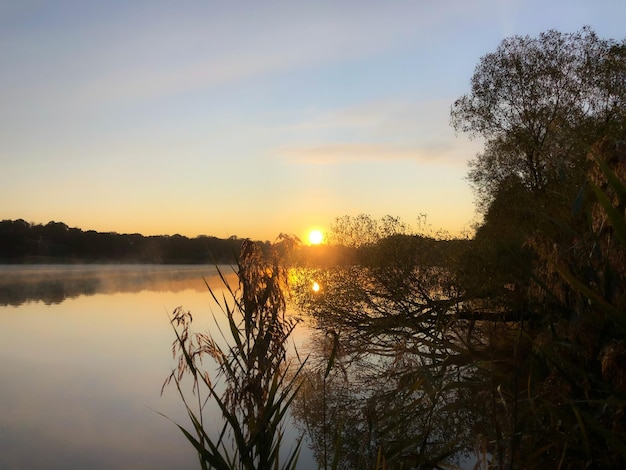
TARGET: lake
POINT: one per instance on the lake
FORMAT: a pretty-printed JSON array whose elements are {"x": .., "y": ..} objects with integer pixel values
[{"x": 84, "y": 351}]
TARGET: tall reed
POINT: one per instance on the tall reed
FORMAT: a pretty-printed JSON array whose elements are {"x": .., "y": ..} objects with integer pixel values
[{"x": 253, "y": 367}]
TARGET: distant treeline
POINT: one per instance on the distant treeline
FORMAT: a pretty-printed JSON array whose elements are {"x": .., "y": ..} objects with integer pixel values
[{"x": 55, "y": 242}]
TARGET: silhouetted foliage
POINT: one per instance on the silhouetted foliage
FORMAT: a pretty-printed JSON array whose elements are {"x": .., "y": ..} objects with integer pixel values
[
  {"x": 387, "y": 327},
  {"x": 55, "y": 242},
  {"x": 515, "y": 340},
  {"x": 552, "y": 111},
  {"x": 258, "y": 383},
  {"x": 540, "y": 103}
]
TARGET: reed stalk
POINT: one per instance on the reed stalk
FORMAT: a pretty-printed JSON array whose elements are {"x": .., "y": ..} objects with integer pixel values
[{"x": 252, "y": 368}]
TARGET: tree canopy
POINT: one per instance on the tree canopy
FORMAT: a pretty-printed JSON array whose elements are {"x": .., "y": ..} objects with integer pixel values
[
  {"x": 21, "y": 241},
  {"x": 539, "y": 103},
  {"x": 519, "y": 332}
]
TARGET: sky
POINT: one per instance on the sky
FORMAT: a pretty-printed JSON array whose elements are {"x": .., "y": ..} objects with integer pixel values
[{"x": 249, "y": 119}]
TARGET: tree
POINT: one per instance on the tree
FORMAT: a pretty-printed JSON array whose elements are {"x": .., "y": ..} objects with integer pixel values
[
  {"x": 540, "y": 103},
  {"x": 552, "y": 112},
  {"x": 389, "y": 313}
]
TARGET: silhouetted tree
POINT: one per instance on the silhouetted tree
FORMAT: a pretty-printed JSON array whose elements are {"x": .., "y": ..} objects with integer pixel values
[
  {"x": 540, "y": 103},
  {"x": 55, "y": 241}
]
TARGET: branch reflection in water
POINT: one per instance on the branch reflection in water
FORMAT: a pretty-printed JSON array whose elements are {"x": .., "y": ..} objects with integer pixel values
[{"x": 395, "y": 375}]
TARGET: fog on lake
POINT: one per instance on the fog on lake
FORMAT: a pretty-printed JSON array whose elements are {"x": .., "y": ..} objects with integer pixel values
[{"x": 84, "y": 352}]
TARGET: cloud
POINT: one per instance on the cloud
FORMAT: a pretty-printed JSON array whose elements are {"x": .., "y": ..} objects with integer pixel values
[
  {"x": 342, "y": 153},
  {"x": 401, "y": 115},
  {"x": 171, "y": 53},
  {"x": 382, "y": 130},
  {"x": 127, "y": 51}
]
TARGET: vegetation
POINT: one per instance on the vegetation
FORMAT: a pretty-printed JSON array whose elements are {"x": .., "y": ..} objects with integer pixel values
[
  {"x": 393, "y": 397},
  {"x": 504, "y": 351},
  {"x": 22, "y": 242},
  {"x": 258, "y": 385},
  {"x": 540, "y": 103},
  {"x": 552, "y": 111},
  {"x": 510, "y": 346}
]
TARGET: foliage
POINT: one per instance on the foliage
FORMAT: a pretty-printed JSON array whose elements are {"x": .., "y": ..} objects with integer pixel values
[
  {"x": 581, "y": 350},
  {"x": 394, "y": 391},
  {"x": 421, "y": 377},
  {"x": 539, "y": 103},
  {"x": 519, "y": 335},
  {"x": 395, "y": 281},
  {"x": 56, "y": 242},
  {"x": 259, "y": 387},
  {"x": 552, "y": 112}
]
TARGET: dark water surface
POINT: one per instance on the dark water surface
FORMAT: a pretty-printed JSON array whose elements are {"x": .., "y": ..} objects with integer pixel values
[{"x": 84, "y": 351}]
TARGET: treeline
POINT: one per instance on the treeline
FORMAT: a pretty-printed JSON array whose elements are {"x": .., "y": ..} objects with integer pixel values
[{"x": 55, "y": 242}]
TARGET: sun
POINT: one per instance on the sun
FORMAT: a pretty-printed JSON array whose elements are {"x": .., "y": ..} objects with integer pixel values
[{"x": 316, "y": 237}]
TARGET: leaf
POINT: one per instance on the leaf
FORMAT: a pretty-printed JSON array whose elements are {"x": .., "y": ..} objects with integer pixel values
[
  {"x": 617, "y": 185},
  {"x": 617, "y": 316},
  {"x": 578, "y": 202},
  {"x": 258, "y": 394},
  {"x": 617, "y": 220},
  {"x": 333, "y": 353}
]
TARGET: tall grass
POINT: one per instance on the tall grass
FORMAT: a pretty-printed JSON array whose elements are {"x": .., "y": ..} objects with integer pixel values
[{"x": 252, "y": 368}]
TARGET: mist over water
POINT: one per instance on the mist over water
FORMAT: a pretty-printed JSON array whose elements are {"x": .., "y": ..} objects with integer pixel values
[
  {"x": 84, "y": 353},
  {"x": 53, "y": 284}
]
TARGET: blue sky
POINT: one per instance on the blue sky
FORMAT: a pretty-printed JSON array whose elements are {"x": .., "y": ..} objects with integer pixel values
[{"x": 248, "y": 118}]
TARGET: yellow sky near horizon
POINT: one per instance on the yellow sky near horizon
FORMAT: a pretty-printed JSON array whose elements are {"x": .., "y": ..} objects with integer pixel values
[{"x": 204, "y": 118}]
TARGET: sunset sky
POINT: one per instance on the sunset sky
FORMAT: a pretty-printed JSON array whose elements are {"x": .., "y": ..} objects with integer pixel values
[{"x": 249, "y": 118}]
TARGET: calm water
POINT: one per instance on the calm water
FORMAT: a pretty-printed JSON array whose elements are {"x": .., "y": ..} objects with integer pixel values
[{"x": 84, "y": 351}]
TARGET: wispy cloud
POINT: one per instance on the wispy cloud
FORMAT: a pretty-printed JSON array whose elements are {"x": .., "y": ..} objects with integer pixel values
[
  {"x": 166, "y": 52},
  {"x": 342, "y": 153},
  {"x": 383, "y": 130},
  {"x": 405, "y": 115}
]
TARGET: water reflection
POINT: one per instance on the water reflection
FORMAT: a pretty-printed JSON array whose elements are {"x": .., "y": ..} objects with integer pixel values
[
  {"x": 84, "y": 361},
  {"x": 53, "y": 284},
  {"x": 407, "y": 404},
  {"x": 83, "y": 365},
  {"x": 401, "y": 384}
]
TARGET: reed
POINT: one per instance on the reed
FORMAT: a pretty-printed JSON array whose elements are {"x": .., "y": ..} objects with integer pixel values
[{"x": 258, "y": 381}]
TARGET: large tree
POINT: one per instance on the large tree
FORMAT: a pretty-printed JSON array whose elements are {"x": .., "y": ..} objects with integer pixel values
[
  {"x": 539, "y": 103},
  {"x": 552, "y": 112}
]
